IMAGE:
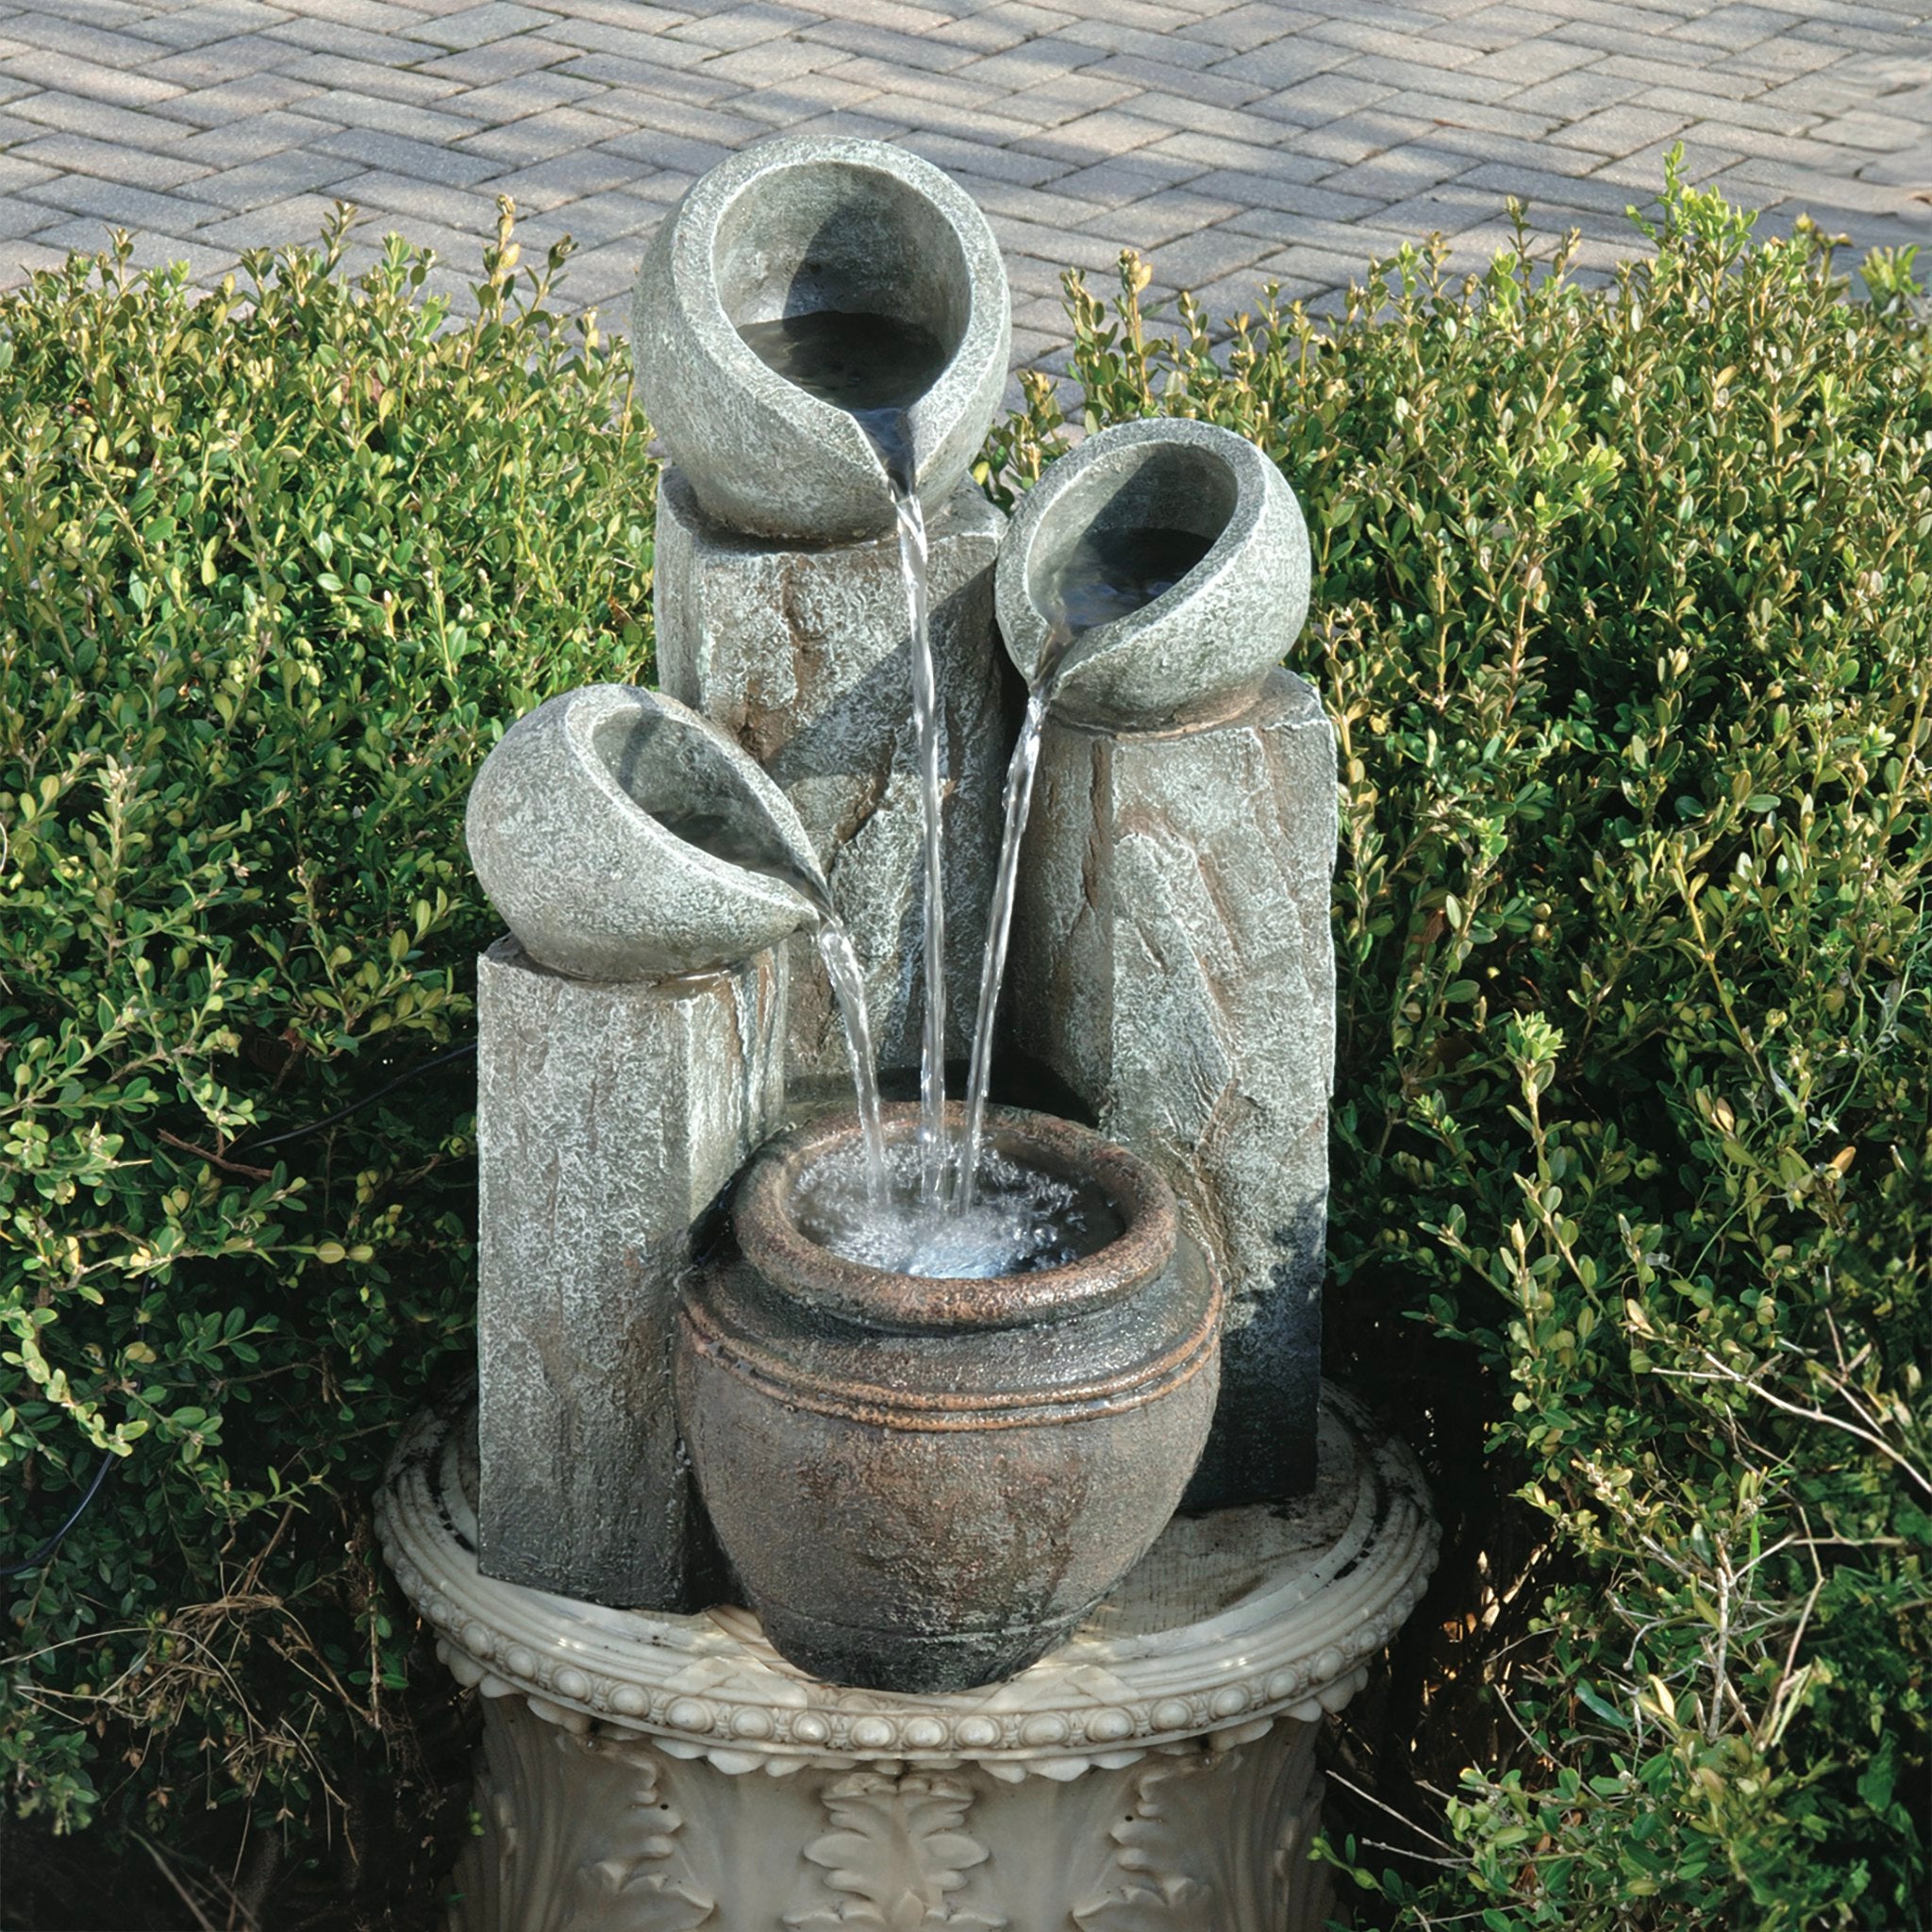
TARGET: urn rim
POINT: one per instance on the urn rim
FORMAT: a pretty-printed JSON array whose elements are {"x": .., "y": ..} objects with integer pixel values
[{"x": 771, "y": 1240}]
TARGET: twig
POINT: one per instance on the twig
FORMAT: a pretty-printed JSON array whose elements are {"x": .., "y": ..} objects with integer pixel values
[
  {"x": 187, "y": 1897},
  {"x": 220, "y": 1160}
]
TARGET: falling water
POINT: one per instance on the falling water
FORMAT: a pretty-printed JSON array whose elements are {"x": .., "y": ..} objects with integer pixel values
[
  {"x": 928, "y": 728},
  {"x": 877, "y": 367},
  {"x": 1104, "y": 576},
  {"x": 1019, "y": 801},
  {"x": 747, "y": 842},
  {"x": 848, "y": 987}
]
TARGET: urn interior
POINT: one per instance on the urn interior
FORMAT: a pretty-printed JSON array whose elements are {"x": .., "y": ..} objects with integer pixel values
[
  {"x": 841, "y": 238},
  {"x": 1158, "y": 485}
]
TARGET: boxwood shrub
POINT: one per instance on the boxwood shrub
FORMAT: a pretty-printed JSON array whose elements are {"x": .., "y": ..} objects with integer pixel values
[
  {"x": 1624, "y": 613},
  {"x": 280, "y": 565},
  {"x": 1623, "y": 616}
]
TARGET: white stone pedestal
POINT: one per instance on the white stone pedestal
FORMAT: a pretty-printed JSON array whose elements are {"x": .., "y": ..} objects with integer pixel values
[{"x": 645, "y": 1773}]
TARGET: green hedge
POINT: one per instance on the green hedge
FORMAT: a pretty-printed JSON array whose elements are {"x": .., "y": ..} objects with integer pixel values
[
  {"x": 1622, "y": 611},
  {"x": 280, "y": 564}
]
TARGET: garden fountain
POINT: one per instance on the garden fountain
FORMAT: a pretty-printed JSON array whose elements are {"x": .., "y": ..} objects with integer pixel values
[{"x": 816, "y": 1532}]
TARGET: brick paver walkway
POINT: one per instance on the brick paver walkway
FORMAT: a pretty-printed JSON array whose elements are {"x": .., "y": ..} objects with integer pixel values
[{"x": 1234, "y": 140}]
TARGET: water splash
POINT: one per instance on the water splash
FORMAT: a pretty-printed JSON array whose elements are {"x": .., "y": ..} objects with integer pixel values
[{"x": 1024, "y": 1219}]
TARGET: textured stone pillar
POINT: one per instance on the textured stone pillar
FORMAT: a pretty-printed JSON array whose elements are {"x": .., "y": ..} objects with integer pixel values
[
  {"x": 1173, "y": 962},
  {"x": 802, "y": 653},
  {"x": 609, "y": 1116}
]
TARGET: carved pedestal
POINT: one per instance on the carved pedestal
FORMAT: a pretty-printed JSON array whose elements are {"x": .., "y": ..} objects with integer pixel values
[{"x": 645, "y": 1773}]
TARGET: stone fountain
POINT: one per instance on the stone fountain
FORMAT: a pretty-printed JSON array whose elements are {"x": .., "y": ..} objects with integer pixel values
[{"x": 926, "y": 1513}]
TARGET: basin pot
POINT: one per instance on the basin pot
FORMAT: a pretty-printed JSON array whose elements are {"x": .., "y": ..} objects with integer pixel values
[{"x": 922, "y": 1484}]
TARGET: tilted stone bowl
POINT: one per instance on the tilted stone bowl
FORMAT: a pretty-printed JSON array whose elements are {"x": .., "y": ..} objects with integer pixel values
[
  {"x": 1201, "y": 648},
  {"x": 924, "y": 1484},
  {"x": 791, "y": 227},
  {"x": 621, "y": 836}
]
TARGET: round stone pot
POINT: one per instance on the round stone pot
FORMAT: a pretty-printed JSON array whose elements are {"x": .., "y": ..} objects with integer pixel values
[
  {"x": 792, "y": 228},
  {"x": 1201, "y": 649},
  {"x": 924, "y": 1484}
]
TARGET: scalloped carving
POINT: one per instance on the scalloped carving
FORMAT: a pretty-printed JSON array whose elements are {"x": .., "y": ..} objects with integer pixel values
[
  {"x": 577, "y": 1837},
  {"x": 1152, "y": 1890},
  {"x": 896, "y": 1856}
]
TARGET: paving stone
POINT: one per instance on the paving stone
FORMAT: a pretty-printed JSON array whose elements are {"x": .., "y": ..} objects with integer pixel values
[
  {"x": 525, "y": 93},
  {"x": 1309, "y": 127},
  {"x": 119, "y": 203},
  {"x": 1086, "y": 93},
  {"x": 88, "y": 80},
  {"x": 425, "y": 203},
  {"x": 19, "y": 219},
  {"x": 1439, "y": 111},
  {"x": 494, "y": 20},
  {"x": 532, "y": 52},
  {"x": 97, "y": 120},
  {"x": 1526, "y": 62},
  {"x": 1583, "y": 91},
  {"x": 274, "y": 179},
  {"x": 1224, "y": 87},
  {"x": 1111, "y": 183},
  {"x": 143, "y": 166},
  {"x": 195, "y": 27},
  {"x": 1323, "y": 97},
  {"x": 433, "y": 162},
  {"x": 232, "y": 101},
  {"x": 439, "y": 125},
  {"x": 742, "y": 27},
  {"x": 294, "y": 219},
  {"x": 351, "y": 77},
  {"x": 1255, "y": 24},
  {"x": 1045, "y": 58}
]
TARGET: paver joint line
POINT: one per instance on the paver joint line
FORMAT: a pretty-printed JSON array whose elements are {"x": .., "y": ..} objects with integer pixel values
[{"x": 1233, "y": 141}]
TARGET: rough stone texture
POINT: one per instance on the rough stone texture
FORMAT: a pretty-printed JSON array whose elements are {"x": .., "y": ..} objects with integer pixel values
[
  {"x": 803, "y": 655},
  {"x": 608, "y": 1117},
  {"x": 581, "y": 823},
  {"x": 799, "y": 225},
  {"x": 1173, "y": 962},
  {"x": 1206, "y": 645}
]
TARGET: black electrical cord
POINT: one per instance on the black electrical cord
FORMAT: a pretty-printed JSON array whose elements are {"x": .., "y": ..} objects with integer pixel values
[
  {"x": 53, "y": 1541},
  {"x": 342, "y": 1113}
]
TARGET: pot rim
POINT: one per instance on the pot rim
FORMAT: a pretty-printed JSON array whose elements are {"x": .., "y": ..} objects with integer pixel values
[{"x": 773, "y": 1243}]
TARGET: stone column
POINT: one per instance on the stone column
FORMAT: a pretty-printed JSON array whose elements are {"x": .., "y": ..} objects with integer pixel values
[
  {"x": 653, "y": 1774},
  {"x": 609, "y": 1115},
  {"x": 1172, "y": 957},
  {"x": 1173, "y": 962},
  {"x": 629, "y": 1058},
  {"x": 802, "y": 653}
]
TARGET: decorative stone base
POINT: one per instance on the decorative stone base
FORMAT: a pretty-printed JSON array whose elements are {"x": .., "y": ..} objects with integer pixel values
[{"x": 645, "y": 1773}]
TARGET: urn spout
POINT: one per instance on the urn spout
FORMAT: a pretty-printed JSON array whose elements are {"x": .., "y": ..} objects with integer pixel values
[
  {"x": 1176, "y": 557},
  {"x": 623, "y": 836},
  {"x": 807, "y": 303}
]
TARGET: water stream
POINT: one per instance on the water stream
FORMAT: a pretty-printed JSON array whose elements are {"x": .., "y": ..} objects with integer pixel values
[
  {"x": 747, "y": 844},
  {"x": 964, "y": 1211},
  {"x": 1103, "y": 576},
  {"x": 876, "y": 368}
]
